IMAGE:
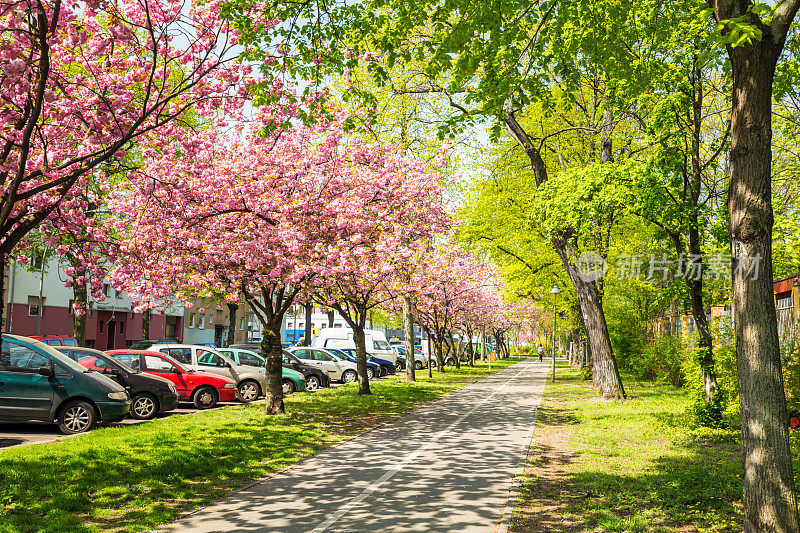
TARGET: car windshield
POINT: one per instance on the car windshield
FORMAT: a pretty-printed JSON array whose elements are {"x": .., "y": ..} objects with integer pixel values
[{"x": 381, "y": 345}]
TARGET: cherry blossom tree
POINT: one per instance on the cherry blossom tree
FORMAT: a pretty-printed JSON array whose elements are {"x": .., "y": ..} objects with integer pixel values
[
  {"x": 86, "y": 82},
  {"x": 271, "y": 219}
]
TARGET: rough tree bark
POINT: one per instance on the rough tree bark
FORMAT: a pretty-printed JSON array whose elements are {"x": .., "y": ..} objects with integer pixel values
[
  {"x": 146, "y": 324},
  {"x": 770, "y": 500},
  {"x": 361, "y": 359},
  {"x": 408, "y": 335},
  {"x": 232, "y": 308},
  {"x": 272, "y": 351}
]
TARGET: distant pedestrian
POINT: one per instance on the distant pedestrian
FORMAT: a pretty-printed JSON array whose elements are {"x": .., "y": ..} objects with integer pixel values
[{"x": 541, "y": 353}]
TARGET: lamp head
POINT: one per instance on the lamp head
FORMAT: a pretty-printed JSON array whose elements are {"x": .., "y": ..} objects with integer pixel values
[{"x": 555, "y": 290}]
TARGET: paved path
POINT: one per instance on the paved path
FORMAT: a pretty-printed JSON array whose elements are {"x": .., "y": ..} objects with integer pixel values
[{"x": 445, "y": 467}]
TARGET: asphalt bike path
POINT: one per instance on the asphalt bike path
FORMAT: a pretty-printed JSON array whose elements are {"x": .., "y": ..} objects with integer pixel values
[{"x": 448, "y": 466}]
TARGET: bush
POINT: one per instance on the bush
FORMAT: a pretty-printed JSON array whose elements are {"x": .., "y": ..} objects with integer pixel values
[{"x": 660, "y": 361}]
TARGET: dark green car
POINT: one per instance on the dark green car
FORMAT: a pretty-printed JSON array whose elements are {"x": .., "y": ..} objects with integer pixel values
[{"x": 39, "y": 383}]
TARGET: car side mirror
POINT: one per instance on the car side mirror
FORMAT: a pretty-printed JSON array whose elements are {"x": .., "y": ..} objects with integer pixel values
[
  {"x": 44, "y": 370},
  {"x": 176, "y": 370}
]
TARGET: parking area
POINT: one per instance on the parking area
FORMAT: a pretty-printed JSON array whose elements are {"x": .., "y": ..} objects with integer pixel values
[{"x": 20, "y": 433}]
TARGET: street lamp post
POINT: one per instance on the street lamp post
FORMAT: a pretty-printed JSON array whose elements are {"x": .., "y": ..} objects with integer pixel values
[{"x": 555, "y": 291}]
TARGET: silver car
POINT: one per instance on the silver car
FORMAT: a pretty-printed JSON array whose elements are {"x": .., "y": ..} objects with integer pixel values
[
  {"x": 336, "y": 368},
  {"x": 251, "y": 382}
]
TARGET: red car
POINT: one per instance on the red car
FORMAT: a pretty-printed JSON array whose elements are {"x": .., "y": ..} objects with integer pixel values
[{"x": 203, "y": 389}]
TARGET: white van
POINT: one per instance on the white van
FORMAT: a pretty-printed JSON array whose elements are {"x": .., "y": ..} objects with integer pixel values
[{"x": 377, "y": 344}]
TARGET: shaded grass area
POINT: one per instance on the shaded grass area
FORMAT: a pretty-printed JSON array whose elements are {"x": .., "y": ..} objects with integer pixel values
[
  {"x": 632, "y": 466},
  {"x": 132, "y": 478}
]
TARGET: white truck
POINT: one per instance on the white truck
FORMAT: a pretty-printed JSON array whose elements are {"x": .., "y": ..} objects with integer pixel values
[{"x": 377, "y": 344}]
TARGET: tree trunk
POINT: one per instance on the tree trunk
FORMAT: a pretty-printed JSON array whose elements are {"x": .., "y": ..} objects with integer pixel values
[
  {"x": 437, "y": 346},
  {"x": 79, "y": 297},
  {"x": 483, "y": 345},
  {"x": 272, "y": 351},
  {"x": 146, "y": 324},
  {"x": 307, "y": 340},
  {"x": 770, "y": 501},
  {"x": 430, "y": 345},
  {"x": 408, "y": 334},
  {"x": 232, "y": 308},
  {"x": 453, "y": 352},
  {"x": 605, "y": 374},
  {"x": 361, "y": 359},
  {"x": 471, "y": 349},
  {"x": 331, "y": 316},
  {"x": 3, "y": 263}
]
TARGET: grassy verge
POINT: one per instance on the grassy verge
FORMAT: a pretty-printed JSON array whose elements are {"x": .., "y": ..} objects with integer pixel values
[
  {"x": 627, "y": 466},
  {"x": 131, "y": 478}
]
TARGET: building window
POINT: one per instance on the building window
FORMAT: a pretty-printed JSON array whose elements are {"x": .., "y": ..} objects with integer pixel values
[
  {"x": 33, "y": 305},
  {"x": 122, "y": 328},
  {"x": 100, "y": 326},
  {"x": 117, "y": 293},
  {"x": 106, "y": 287},
  {"x": 191, "y": 320},
  {"x": 241, "y": 324},
  {"x": 71, "y": 307},
  {"x": 201, "y": 321},
  {"x": 337, "y": 325}
]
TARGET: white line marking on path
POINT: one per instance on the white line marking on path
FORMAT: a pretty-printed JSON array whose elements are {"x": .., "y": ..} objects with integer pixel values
[{"x": 375, "y": 485}]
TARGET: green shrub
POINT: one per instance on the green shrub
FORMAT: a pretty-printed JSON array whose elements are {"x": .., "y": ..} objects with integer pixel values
[{"x": 661, "y": 361}]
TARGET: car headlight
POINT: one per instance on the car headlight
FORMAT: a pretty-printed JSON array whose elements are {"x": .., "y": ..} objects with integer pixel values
[
  {"x": 118, "y": 396},
  {"x": 229, "y": 386}
]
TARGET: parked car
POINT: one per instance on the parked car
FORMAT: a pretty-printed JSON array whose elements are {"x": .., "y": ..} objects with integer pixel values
[
  {"x": 55, "y": 340},
  {"x": 388, "y": 366},
  {"x": 377, "y": 344},
  {"x": 336, "y": 368},
  {"x": 150, "y": 394},
  {"x": 203, "y": 389},
  {"x": 419, "y": 358},
  {"x": 293, "y": 381},
  {"x": 39, "y": 383},
  {"x": 250, "y": 381},
  {"x": 315, "y": 377},
  {"x": 373, "y": 368}
]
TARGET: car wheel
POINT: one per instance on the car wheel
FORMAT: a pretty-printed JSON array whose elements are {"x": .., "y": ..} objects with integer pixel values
[
  {"x": 205, "y": 397},
  {"x": 398, "y": 366},
  {"x": 418, "y": 365},
  {"x": 76, "y": 417},
  {"x": 370, "y": 373},
  {"x": 449, "y": 362},
  {"x": 384, "y": 372},
  {"x": 249, "y": 391},
  {"x": 288, "y": 387},
  {"x": 349, "y": 376},
  {"x": 144, "y": 407},
  {"x": 313, "y": 383}
]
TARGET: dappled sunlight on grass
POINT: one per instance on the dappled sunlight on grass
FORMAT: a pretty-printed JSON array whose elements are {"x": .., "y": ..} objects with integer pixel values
[
  {"x": 634, "y": 465},
  {"x": 131, "y": 478}
]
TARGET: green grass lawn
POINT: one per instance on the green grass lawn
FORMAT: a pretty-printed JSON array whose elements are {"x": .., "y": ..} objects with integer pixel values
[
  {"x": 131, "y": 478},
  {"x": 630, "y": 466}
]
